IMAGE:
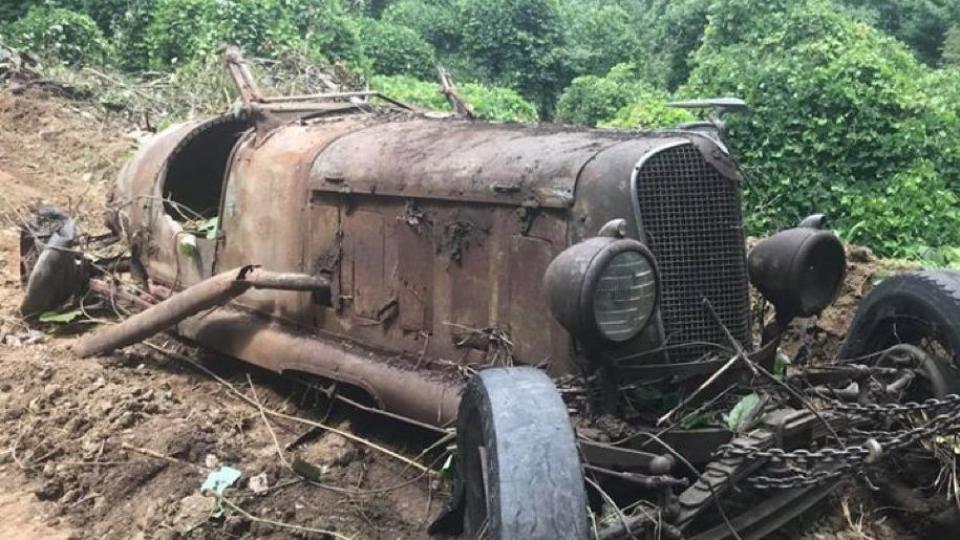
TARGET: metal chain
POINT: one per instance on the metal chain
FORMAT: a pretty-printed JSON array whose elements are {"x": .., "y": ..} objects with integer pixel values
[
  {"x": 803, "y": 479},
  {"x": 802, "y": 456},
  {"x": 887, "y": 409},
  {"x": 837, "y": 462}
]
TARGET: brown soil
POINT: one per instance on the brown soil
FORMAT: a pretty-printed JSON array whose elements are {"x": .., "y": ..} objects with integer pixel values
[{"x": 67, "y": 425}]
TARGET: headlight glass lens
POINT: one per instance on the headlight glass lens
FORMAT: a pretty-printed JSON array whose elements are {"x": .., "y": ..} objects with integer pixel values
[{"x": 625, "y": 296}]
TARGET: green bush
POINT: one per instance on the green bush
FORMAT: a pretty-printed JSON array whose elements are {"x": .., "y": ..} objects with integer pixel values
[
  {"x": 498, "y": 103},
  {"x": 129, "y": 27},
  {"x": 183, "y": 30},
  {"x": 617, "y": 99},
  {"x": 434, "y": 20},
  {"x": 877, "y": 217},
  {"x": 838, "y": 110},
  {"x": 328, "y": 31},
  {"x": 396, "y": 50},
  {"x": 591, "y": 99},
  {"x": 601, "y": 37},
  {"x": 519, "y": 44},
  {"x": 673, "y": 30},
  {"x": 921, "y": 24},
  {"x": 491, "y": 103},
  {"x": 951, "y": 47},
  {"x": 411, "y": 91},
  {"x": 106, "y": 13},
  {"x": 179, "y": 32},
  {"x": 60, "y": 34},
  {"x": 648, "y": 110},
  {"x": 11, "y": 10}
]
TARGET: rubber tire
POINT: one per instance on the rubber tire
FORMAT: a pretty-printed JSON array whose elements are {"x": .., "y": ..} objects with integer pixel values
[
  {"x": 536, "y": 486},
  {"x": 931, "y": 296}
]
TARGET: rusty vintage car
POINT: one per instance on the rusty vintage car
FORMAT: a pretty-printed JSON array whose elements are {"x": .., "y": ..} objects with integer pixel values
[{"x": 459, "y": 272}]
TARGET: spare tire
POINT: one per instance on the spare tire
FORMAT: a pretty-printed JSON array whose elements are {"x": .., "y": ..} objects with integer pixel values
[{"x": 518, "y": 459}]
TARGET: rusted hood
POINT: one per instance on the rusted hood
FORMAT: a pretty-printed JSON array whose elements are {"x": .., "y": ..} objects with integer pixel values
[{"x": 463, "y": 161}]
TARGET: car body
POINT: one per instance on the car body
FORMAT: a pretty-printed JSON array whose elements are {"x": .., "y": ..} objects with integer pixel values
[{"x": 435, "y": 235}]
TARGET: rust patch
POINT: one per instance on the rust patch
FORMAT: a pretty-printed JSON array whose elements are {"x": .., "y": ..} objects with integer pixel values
[
  {"x": 414, "y": 217},
  {"x": 457, "y": 237}
]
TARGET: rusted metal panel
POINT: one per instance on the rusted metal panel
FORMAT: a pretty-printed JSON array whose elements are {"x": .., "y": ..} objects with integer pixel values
[
  {"x": 265, "y": 208},
  {"x": 137, "y": 199},
  {"x": 364, "y": 261},
  {"x": 461, "y": 161},
  {"x": 532, "y": 327},
  {"x": 414, "y": 268}
]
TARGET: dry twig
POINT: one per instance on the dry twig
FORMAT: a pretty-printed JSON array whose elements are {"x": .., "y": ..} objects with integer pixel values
[
  {"x": 158, "y": 455},
  {"x": 250, "y": 517},
  {"x": 278, "y": 414}
]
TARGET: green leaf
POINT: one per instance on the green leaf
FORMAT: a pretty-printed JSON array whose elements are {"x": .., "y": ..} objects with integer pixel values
[
  {"x": 743, "y": 414},
  {"x": 780, "y": 364},
  {"x": 187, "y": 245},
  {"x": 62, "y": 317}
]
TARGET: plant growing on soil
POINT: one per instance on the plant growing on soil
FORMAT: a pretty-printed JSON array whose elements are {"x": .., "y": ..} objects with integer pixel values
[{"x": 60, "y": 35}]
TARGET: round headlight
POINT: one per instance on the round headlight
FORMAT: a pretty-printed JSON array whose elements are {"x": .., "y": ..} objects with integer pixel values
[
  {"x": 603, "y": 288},
  {"x": 625, "y": 295}
]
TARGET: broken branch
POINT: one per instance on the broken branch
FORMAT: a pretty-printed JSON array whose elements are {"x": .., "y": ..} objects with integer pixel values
[
  {"x": 158, "y": 455},
  {"x": 277, "y": 414},
  {"x": 250, "y": 517}
]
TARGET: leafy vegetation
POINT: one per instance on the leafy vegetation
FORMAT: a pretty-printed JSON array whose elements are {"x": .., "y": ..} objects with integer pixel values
[
  {"x": 68, "y": 36},
  {"x": 845, "y": 119},
  {"x": 491, "y": 103},
  {"x": 856, "y": 103},
  {"x": 396, "y": 50},
  {"x": 618, "y": 99}
]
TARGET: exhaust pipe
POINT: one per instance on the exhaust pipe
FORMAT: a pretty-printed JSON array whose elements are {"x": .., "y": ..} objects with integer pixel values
[{"x": 207, "y": 294}]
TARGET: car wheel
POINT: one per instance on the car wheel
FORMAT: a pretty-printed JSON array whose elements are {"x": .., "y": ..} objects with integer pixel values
[
  {"x": 921, "y": 309},
  {"x": 903, "y": 313},
  {"x": 518, "y": 459}
]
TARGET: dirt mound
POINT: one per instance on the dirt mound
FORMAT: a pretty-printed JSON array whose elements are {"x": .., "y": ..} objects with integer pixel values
[
  {"x": 59, "y": 151},
  {"x": 119, "y": 447}
]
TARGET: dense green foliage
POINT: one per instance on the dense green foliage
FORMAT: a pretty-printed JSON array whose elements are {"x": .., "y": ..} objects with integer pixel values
[
  {"x": 618, "y": 99},
  {"x": 921, "y": 24},
  {"x": 491, "y": 103},
  {"x": 434, "y": 20},
  {"x": 856, "y": 103},
  {"x": 396, "y": 50},
  {"x": 845, "y": 120},
  {"x": 516, "y": 43},
  {"x": 68, "y": 36}
]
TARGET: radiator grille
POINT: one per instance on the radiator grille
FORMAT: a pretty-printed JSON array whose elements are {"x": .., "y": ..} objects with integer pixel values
[{"x": 693, "y": 222}]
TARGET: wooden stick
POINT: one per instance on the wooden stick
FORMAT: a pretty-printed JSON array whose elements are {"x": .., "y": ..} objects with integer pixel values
[
  {"x": 263, "y": 416},
  {"x": 248, "y": 516},
  {"x": 706, "y": 384},
  {"x": 158, "y": 455},
  {"x": 277, "y": 414}
]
